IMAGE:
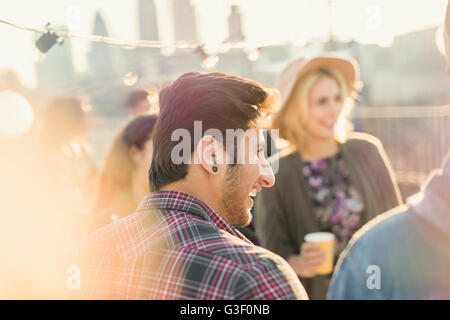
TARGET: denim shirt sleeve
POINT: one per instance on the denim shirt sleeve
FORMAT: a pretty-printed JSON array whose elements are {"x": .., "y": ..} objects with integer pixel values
[{"x": 351, "y": 279}]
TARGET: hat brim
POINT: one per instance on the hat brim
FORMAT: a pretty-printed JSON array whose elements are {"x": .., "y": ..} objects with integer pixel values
[{"x": 296, "y": 69}]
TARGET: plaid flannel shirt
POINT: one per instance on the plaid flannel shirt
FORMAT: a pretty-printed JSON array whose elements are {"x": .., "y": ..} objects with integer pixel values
[{"x": 177, "y": 247}]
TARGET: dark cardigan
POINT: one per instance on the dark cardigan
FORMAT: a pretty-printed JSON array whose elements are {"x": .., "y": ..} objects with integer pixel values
[{"x": 284, "y": 213}]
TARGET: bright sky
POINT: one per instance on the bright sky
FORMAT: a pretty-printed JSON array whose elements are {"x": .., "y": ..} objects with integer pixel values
[{"x": 265, "y": 22}]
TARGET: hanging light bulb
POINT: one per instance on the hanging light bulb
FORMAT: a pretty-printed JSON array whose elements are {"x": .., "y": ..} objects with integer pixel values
[
  {"x": 208, "y": 61},
  {"x": 252, "y": 54},
  {"x": 130, "y": 79}
]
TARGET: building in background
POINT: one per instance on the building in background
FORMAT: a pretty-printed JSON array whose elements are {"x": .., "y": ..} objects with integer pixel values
[
  {"x": 106, "y": 67},
  {"x": 410, "y": 73},
  {"x": 184, "y": 20},
  {"x": 235, "y": 25},
  {"x": 146, "y": 61}
]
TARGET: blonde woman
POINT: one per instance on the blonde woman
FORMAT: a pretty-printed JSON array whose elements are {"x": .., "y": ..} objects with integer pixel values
[
  {"x": 329, "y": 179},
  {"x": 123, "y": 179}
]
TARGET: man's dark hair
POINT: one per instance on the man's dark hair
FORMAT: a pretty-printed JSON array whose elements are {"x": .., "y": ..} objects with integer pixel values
[
  {"x": 220, "y": 101},
  {"x": 135, "y": 97}
]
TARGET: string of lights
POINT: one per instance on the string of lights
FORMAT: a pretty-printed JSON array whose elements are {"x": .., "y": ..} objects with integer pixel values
[{"x": 51, "y": 37}]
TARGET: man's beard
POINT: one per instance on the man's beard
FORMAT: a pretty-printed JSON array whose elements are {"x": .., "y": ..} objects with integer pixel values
[{"x": 234, "y": 196}]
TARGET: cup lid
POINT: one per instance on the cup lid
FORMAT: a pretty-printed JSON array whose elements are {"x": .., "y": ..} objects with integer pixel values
[{"x": 319, "y": 237}]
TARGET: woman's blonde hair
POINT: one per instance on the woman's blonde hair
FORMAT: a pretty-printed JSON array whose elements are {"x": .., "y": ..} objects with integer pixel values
[
  {"x": 118, "y": 166},
  {"x": 292, "y": 118}
]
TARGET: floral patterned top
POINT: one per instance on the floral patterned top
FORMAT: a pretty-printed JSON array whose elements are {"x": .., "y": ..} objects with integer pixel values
[{"x": 337, "y": 204}]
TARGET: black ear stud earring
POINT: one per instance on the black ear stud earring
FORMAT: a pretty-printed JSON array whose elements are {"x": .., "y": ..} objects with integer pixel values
[{"x": 214, "y": 168}]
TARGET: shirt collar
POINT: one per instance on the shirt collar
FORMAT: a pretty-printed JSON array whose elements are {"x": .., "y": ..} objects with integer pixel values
[{"x": 180, "y": 201}]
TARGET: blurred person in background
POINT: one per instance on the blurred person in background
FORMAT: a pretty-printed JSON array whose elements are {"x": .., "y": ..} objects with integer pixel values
[
  {"x": 66, "y": 159},
  {"x": 18, "y": 235},
  {"x": 140, "y": 102},
  {"x": 417, "y": 235},
  {"x": 329, "y": 179},
  {"x": 123, "y": 179},
  {"x": 46, "y": 185}
]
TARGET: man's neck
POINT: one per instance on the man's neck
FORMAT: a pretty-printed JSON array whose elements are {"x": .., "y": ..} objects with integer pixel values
[{"x": 203, "y": 194}]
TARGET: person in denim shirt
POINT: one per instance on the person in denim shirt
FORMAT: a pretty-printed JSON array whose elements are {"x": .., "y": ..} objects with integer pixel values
[{"x": 403, "y": 253}]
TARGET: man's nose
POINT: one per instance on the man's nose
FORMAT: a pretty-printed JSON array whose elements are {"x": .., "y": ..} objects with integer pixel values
[{"x": 266, "y": 178}]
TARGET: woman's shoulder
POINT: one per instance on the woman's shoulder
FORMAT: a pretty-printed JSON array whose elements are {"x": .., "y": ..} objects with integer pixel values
[{"x": 363, "y": 142}]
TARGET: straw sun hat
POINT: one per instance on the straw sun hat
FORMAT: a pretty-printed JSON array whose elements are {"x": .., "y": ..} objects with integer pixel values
[{"x": 294, "y": 70}]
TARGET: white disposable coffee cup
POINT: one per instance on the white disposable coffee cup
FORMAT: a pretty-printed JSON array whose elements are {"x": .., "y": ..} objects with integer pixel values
[{"x": 326, "y": 241}]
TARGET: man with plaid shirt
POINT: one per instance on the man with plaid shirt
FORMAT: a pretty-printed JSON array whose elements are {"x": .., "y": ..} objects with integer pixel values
[{"x": 180, "y": 243}]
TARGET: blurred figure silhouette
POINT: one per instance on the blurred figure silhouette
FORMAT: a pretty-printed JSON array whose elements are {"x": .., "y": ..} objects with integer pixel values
[
  {"x": 47, "y": 178},
  {"x": 123, "y": 180},
  {"x": 16, "y": 282},
  {"x": 64, "y": 125},
  {"x": 139, "y": 102}
]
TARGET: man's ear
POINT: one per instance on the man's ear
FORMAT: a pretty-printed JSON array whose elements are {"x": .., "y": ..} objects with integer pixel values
[{"x": 207, "y": 154}]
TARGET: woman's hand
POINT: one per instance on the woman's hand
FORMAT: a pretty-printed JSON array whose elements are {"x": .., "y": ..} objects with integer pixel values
[{"x": 310, "y": 259}]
